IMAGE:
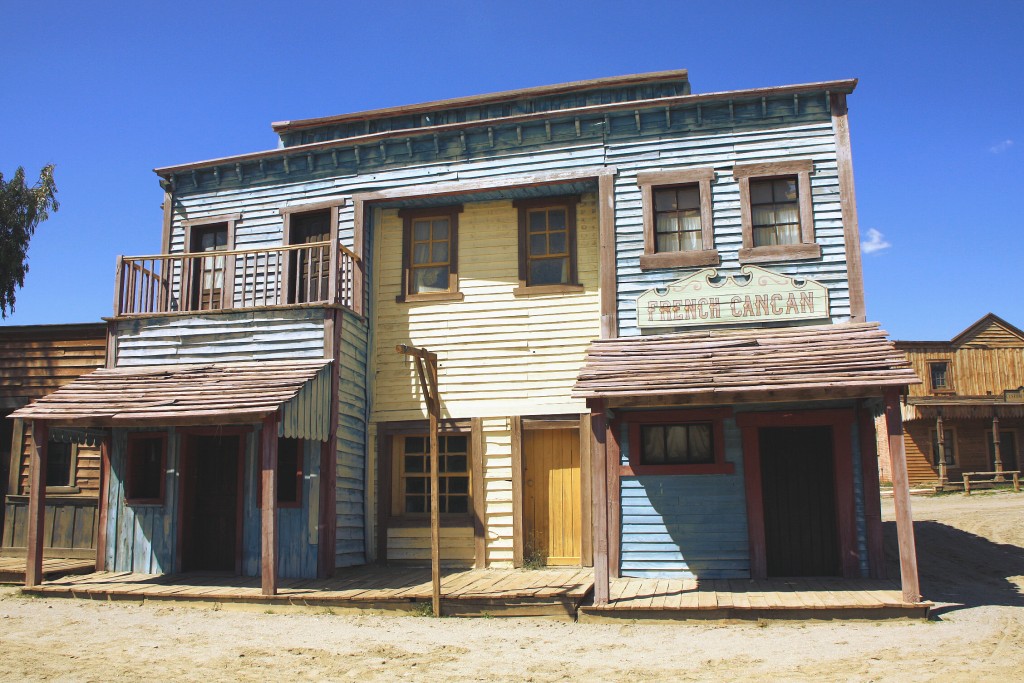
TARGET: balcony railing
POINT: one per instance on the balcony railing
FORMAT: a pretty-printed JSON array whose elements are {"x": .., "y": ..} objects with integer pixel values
[{"x": 315, "y": 273}]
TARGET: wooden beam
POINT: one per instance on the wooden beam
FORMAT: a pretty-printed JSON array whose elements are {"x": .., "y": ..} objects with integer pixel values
[
  {"x": 102, "y": 510},
  {"x": 268, "y": 506},
  {"x": 872, "y": 493},
  {"x": 901, "y": 498},
  {"x": 516, "y": 425},
  {"x": 599, "y": 453},
  {"x": 17, "y": 453},
  {"x": 476, "y": 458},
  {"x": 586, "y": 491},
  {"x": 36, "y": 503},
  {"x": 613, "y": 457},
  {"x": 848, "y": 206},
  {"x": 607, "y": 272}
]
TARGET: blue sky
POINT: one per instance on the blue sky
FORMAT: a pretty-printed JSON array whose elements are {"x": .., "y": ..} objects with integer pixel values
[{"x": 108, "y": 91}]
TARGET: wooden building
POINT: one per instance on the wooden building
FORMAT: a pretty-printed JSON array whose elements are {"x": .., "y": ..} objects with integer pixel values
[
  {"x": 502, "y": 234},
  {"x": 972, "y": 394},
  {"x": 34, "y": 361}
]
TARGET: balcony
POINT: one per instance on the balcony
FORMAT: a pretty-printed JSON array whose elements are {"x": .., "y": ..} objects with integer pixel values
[{"x": 320, "y": 273}]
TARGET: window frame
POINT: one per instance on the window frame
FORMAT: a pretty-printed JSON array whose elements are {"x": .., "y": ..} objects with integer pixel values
[
  {"x": 523, "y": 208},
  {"x": 408, "y": 216},
  {"x": 299, "y": 473},
  {"x": 808, "y": 248},
  {"x": 72, "y": 485},
  {"x": 188, "y": 285},
  {"x": 948, "y": 389},
  {"x": 636, "y": 420},
  {"x": 397, "y": 511},
  {"x": 134, "y": 437},
  {"x": 933, "y": 445},
  {"x": 333, "y": 207},
  {"x": 652, "y": 181}
]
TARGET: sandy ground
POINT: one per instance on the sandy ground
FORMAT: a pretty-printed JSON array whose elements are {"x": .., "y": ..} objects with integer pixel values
[{"x": 971, "y": 552}]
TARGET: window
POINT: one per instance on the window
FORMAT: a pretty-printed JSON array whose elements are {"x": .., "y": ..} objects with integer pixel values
[
  {"x": 676, "y": 442},
  {"x": 948, "y": 444},
  {"x": 289, "y": 472},
  {"x": 308, "y": 270},
  {"x": 413, "y": 465},
  {"x": 547, "y": 245},
  {"x": 430, "y": 253},
  {"x": 776, "y": 211},
  {"x": 147, "y": 457},
  {"x": 60, "y": 464},
  {"x": 677, "y": 216},
  {"x": 940, "y": 377},
  {"x": 209, "y": 277}
]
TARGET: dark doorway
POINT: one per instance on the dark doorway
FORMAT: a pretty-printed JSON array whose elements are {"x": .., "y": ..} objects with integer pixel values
[
  {"x": 801, "y": 535},
  {"x": 210, "y": 504}
]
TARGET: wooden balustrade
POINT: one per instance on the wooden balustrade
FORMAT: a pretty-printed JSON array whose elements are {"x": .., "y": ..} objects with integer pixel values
[{"x": 237, "y": 279}]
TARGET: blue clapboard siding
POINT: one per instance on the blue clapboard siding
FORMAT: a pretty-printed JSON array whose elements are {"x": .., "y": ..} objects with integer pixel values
[
  {"x": 297, "y": 533},
  {"x": 221, "y": 338},
  {"x": 350, "y": 503},
  {"x": 140, "y": 538},
  {"x": 722, "y": 149},
  {"x": 687, "y": 526}
]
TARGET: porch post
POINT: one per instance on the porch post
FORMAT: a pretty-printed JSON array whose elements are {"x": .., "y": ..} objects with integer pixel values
[
  {"x": 901, "y": 498},
  {"x": 602, "y": 587},
  {"x": 997, "y": 456},
  {"x": 941, "y": 436},
  {"x": 268, "y": 506},
  {"x": 36, "y": 503}
]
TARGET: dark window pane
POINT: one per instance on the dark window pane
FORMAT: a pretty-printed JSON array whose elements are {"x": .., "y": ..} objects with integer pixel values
[
  {"x": 538, "y": 245},
  {"x": 458, "y": 504},
  {"x": 458, "y": 485},
  {"x": 421, "y": 230},
  {"x": 652, "y": 444},
  {"x": 421, "y": 253},
  {"x": 455, "y": 463},
  {"x": 415, "y": 464},
  {"x": 415, "y": 504},
  {"x": 58, "y": 464},
  {"x": 689, "y": 198},
  {"x": 538, "y": 221},
  {"x": 665, "y": 200},
  {"x": 550, "y": 271},
  {"x": 556, "y": 219},
  {"x": 415, "y": 444},
  {"x": 145, "y": 468},
  {"x": 557, "y": 243},
  {"x": 785, "y": 190},
  {"x": 289, "y": 461},
  {"x": 456, "y": 444},
  {"x": 416, "y": 485},
  {"x": 440, "y": 229},
  {"x": 760, "y": 191}
]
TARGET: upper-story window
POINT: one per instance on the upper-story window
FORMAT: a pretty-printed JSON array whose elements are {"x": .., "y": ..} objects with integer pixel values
[
  {"x": 208, "y": 277},
  {"x": 430, "y": 255},
  {"x": 776, "y": 211},
  {"x": 309, "y": 268},
  {"x": 941, "y": 378},
  {"x": 547, "y": 244},
  {"x": 677, "y": 216}
]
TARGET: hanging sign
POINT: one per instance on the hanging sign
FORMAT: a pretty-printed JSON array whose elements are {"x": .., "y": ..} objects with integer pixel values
[{"x": 755, "y": 296}]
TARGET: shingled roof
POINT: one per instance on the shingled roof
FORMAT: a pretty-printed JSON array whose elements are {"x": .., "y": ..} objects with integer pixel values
[
  {"x": 227, "y": 393},
  {"x": 752, "y": 364}
]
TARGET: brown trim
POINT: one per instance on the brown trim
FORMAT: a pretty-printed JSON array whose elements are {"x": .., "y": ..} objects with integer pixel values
[
  {"x": 188, "y": 227},
  {"x": 653, "y": 180},
  {"x": 476, "y": 461},
  {"x": 808, "y": 249},
  {"x": 287, "y": 213},
  {"x": 539, "y": 290},
  {"x": 586, "y": 492},
  {"x": 410, "y": 215},
  {"x": 140, "y": 436},
  {"x": 872, "y": 493},
  {"x": 901, "y": 498},
  {"x": 384, "y": 466},
  {"x": 168, "y": 224},
  {"x": 845, "y": 85},
  {"x": 613, "y": 455},
  {"x": 358, "y": 248},
  {"x": 599, "y": 453},
  {"x": 950, "y": 388},
  {"x": 314, "y": 206},
  {"x": 516, "y": 425},
  {"x": 429, "y": 296},
  {"x": 415, "y": 427},
  {"x": 607, "y": 261},
  {"x": 529, "y": 423},
  {"x": 103, "y": 507},
  {"x": 841, "y": 421},
  {"x": 716, "y": 397},
  {"x": 17, "y": 455},
  {"x": 634, "y": 421},
  {"x": 523, "y": 207},
  {"x": 268, "y": 506},
  {"x": 36, "y": 503},
  {"x": 848, "y": 205},
  {"x": 110, "y": 352}
]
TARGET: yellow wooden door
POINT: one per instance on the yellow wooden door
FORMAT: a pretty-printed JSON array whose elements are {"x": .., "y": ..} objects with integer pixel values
[{"x": 552, "y": 507}]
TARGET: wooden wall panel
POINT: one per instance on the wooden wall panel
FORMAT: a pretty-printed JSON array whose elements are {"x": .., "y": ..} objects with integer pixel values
[
  {"x": 351, "y": 481},
  {"x": 975, "y": 371},
  {"x": 36, "y": 360}
]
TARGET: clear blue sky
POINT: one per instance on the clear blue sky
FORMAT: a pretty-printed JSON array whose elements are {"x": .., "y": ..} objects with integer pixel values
[{"x": 108, "y": 91}]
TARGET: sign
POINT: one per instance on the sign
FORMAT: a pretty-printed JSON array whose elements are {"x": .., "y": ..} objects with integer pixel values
[{"x": 755, "y": 296}]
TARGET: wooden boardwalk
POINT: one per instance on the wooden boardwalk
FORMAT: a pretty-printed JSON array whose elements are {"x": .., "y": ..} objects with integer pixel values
[
  {"x": 12, "y": 569},
  {"x": 635, "y": 598},
  {"x": 546, "y": 592}
]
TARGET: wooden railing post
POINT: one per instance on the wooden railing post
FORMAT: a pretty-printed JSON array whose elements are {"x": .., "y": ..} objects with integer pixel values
[
  {"x": 940, "y": 433},
  {"x": 336, "y": 272},
  {"x": 36, "y": 503},
  {"x": 996, "y": 455},
  {"x": 118, "y": 284}
]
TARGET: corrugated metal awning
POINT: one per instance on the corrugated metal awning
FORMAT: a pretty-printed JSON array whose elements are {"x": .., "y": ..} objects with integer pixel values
[
  {"x": 181, "y": 395},
  {"x": 724, "y": 366}
]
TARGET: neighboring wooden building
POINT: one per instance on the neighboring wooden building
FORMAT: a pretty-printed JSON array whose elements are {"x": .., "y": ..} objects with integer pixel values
[
  {"x": 973, "y": 395},
  {"x": 34, "y": 361},
  {"x": 504, "y": 233}
]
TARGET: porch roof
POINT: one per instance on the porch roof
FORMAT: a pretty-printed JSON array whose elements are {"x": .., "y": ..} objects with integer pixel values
[
  {"x": 720, "y": 366},
  {"x": 178, "y": 395},
  {"x": 962, "y": 407}
]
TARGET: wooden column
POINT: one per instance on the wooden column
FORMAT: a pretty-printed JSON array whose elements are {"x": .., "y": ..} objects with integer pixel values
[
  {"x": 599, "y": 453},
  {"x": 901, "y": 498},
  {"x": 941, "y": 437},
  {"x": 268, "y": 505},
  {"x": 996, "y": 455},
  {"x": 36, "y": 503},
  {"x": 101, "y": 506}
]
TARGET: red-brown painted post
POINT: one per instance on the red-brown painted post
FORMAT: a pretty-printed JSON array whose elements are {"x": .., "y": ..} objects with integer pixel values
[
  {"x": 36, "y": 503},
  {"x": 901, "y": 498},
  {"x": 268, "y": 506},
  {"x": 599, "y": 497}
]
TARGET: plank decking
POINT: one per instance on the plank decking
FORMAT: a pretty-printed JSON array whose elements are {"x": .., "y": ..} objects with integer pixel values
[{"x": 12, "y": 569}]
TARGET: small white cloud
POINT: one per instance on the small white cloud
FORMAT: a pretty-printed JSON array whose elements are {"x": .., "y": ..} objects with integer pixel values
[
  {"x": 1001, "y": 147},
  {"x": 874, "y": 242}
]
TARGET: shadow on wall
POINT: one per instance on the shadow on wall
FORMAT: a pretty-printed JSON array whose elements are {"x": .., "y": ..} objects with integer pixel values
[{"x": 960, "y": 568}]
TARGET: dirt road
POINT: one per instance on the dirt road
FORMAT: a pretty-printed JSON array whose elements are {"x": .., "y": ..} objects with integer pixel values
[{"x": 971, "y": 552}]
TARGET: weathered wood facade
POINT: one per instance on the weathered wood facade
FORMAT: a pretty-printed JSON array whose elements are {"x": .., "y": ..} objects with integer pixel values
[
  {"x": 34, "y": 361},
  {"x": 971, "y": 388}
]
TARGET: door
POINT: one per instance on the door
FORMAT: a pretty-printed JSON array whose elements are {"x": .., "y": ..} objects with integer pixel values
[
  {"x": 552, "y": 506},
  {"x": 310, "y": 269},
  {"x": 208, "y": 272},
  {"x": 1007, "y": 450},
  {"x": 210, "y": 504},
  {"x": 798, "y": 490}
]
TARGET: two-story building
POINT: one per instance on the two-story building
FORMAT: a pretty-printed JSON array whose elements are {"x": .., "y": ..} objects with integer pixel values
[{"x": 551, "y": 246}]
